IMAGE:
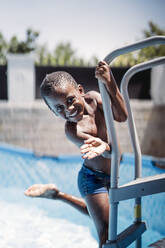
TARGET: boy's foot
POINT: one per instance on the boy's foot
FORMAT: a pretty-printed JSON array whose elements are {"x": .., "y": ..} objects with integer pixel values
[{"x": 42, "y": 190}]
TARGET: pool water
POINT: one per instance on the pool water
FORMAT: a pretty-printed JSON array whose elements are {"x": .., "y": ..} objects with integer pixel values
[{"x": 42, "y": 223}]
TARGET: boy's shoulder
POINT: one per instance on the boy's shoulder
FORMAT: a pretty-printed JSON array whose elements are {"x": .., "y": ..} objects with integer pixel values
[{"x": 93, "y": 95}]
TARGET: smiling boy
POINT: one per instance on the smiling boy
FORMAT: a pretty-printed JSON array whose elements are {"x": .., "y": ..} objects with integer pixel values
[{"x": 85, "y": 126}]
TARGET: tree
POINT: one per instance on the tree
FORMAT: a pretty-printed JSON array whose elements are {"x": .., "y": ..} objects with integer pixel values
[
  {"x": 63, "y": 54},
  {"x": 152, "y": 51},
  {"x": 16, "y": 46},
  {"x": 3, "y": 49},
  {"x": 144, "y": 54},
  {"x": 125, "y": 60},
  {"x": 42, "y": 55}
]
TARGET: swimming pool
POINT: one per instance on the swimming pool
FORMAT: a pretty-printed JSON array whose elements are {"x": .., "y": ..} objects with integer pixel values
[{"x": 39, "y": 223}]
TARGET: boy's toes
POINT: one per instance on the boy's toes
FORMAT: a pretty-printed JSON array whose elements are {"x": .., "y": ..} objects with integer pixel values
[
  {"x": 27, "y": 192},
  {"x": 34, "y": 190}
]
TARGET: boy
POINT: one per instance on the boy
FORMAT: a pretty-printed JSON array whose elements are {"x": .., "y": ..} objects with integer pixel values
[{"x": 85, "y": 127}]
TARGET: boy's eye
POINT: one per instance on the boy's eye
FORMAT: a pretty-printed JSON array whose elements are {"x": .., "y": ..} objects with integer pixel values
[
  {"x": 70, "y": 100},
  {"x": 59, "y": 108}
]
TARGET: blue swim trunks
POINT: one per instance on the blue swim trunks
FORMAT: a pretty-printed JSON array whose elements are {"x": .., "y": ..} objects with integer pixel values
[{"x": 92, "y": 182}]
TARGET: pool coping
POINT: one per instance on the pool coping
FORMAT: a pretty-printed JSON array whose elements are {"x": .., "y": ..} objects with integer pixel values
[{"x": 147, "y": 160}]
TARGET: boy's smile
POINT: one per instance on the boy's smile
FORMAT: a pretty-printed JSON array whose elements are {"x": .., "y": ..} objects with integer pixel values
[{"x": 67, "y": 102}]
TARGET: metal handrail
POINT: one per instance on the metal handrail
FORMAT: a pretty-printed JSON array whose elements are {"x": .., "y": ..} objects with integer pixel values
[
  {"x": 131, "y": 124},
  {"x": 124, "y": 91},
  {"x": 155, "y": 40},
  {"x": 111, "y": 128}
]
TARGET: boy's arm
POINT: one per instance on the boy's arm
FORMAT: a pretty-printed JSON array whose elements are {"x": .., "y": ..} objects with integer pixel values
[
  {"x": 118, "y": 106},
  {"x": 89, "y": 146},
  {"x": 74, "y": 135}
]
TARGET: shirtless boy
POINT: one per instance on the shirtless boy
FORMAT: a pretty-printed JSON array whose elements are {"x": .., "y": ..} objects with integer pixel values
[{"x": 85, "y": 126}]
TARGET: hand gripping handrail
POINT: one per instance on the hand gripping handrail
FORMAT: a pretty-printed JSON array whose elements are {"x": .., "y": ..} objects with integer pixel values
[{"x": 110, "y": 123}]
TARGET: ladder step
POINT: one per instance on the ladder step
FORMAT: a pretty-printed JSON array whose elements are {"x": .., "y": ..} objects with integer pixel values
[
  {"x": 139, "y": 187},
  {"x": 159, "y": 243},
  {"x": 128, "y": 236}
]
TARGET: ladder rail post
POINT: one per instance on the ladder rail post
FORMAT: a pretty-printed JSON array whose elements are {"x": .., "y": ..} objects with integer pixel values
[
  {"x": 131, "y": 124},
  {"x": 132, "y": 128},
  {"x": 112, "y": 234}
]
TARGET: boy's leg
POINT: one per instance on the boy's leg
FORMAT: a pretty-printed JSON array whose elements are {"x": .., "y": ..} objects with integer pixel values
[
  {"x": 50, "y": 191},
  {"x": 98, "y": 207}
]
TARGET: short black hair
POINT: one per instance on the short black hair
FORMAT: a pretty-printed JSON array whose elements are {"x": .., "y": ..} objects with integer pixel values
[{"x": 56, "y": 79}]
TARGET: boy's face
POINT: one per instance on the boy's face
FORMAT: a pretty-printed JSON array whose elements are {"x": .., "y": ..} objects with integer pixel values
[{"x": 67, "y": 102}]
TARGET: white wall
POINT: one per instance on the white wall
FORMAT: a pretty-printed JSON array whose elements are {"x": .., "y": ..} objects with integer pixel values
[
  {"x": 21, "y": 78},
  {"x": 158, "y": 85}
]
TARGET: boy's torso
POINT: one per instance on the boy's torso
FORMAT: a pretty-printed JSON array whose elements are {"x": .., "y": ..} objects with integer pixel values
[{"x": 93, "y": 123}]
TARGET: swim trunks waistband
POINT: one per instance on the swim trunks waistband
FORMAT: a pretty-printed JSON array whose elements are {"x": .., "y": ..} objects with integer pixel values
[{"x": 96, "y": 172}]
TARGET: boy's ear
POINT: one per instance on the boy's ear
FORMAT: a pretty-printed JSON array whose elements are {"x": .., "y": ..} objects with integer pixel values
[{"x": 81, "y": 89}]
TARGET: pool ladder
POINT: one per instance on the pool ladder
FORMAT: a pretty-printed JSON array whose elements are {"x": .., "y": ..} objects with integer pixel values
[{"x": 139, "y": 186}]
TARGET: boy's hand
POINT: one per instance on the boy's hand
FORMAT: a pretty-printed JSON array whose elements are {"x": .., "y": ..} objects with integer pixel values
[
  {"x": 93, "y": 147},
  {"x": 102, "y": 72}
]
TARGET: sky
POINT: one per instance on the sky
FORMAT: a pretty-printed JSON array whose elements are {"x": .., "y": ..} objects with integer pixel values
[{"x": 93, "y": 27}]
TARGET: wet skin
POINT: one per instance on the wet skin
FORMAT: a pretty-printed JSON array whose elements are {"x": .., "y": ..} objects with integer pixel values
[
  {"x": 84, "y": 119},
  {"x": 85, "y": 124}
]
